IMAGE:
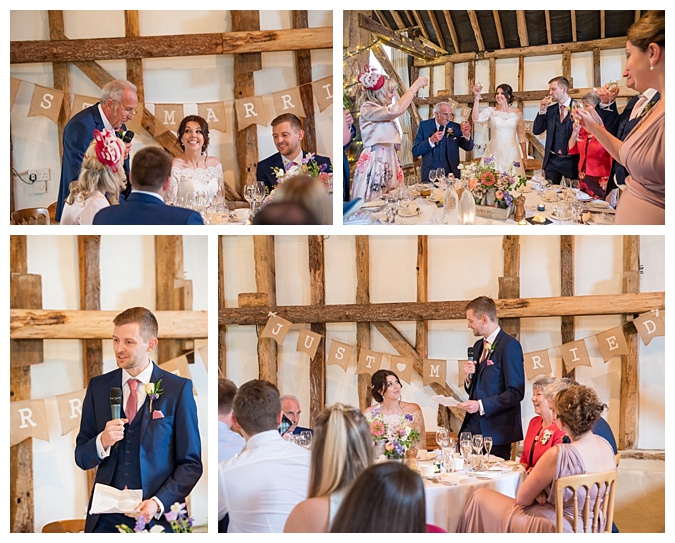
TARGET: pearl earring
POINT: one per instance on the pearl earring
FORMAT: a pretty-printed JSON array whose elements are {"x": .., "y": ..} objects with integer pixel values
[{"x": 651, "y": 66}]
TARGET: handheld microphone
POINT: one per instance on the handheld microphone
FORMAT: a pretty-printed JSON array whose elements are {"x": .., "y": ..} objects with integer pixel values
[
  {"x": 128, "y": 136},
  {"x": 116, "y": 402},
  {"x": 469, "y": 354}
]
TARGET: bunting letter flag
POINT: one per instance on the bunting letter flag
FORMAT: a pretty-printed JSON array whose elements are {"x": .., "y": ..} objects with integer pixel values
[
  {"x": 70, "y": 410},
  {"x": 369, "y": 362},
  {"x": 650, "y": 325},
  {"x": 339, "y": 353},
  {"x": 27, "y": 419},
  {"x": 434, "y": 371},
  {"x": 612, "y": 343},
  {"x": 537, "y": 363},
  {"x": 250, "y": 111},
  {"x": 288, "y": 101},
  {"x": 46, "y": 102},
  {"x": 276, "y": 328},
  {"x": 323, "y": 90},
  {"x": 308, "y": 342},
  {"x": 81, "y": 102},
  {"x": 167, "y": 117},
  {"x": 402, "y": 366},
  {"x": 575, "y": 354},
  {"x": 214, "y": 114}
]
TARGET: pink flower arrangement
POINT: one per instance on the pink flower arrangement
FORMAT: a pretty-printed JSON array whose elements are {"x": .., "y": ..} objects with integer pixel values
[
  {"x": 377, "y": 428},
  {"x": 488, "y": 179}
]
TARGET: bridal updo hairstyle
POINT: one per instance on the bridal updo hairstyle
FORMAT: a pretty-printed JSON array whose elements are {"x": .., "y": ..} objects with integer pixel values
[
  {"x": 341, "y": 449},
  {"x": 508, "y": 92},
  {"x": 378, "y": 383},
  {"x": 202, "y": 124},
  {"x": 387, "y": 497},
  {"x": 579, "y": 408}
]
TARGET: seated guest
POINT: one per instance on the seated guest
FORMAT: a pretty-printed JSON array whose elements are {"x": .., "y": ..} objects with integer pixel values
[
  {"x": 543, "y": 432},
  {"x": 387, "y": 497},
  {"x": 100, "y": 182},
  {"x": 288, "y": 133},
  {"x": 290, "y": 406},
  {"x": 600, "y": 428},
  {"x": 230, "y": 443},
  {"x": 259, "y": 488},
  {"x": 341, "y": 450},
  {"x": 150, "y": 178},
  {"x": 595, "y": 162},
  {"x": 288, "y": 213},
  {"x": 311, "y": 193},
  {"x": 533, "y": 509}
]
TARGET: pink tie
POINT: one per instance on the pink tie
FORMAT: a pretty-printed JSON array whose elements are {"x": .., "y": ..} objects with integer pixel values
[
  {"x": 562, "y": 112},
  {"x": 486, "y": 346},
  {"x": 638, "y": 106},
  {"x": 132, "y": 401}
]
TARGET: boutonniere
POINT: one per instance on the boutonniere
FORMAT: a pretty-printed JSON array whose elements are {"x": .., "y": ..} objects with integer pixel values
[
  {"x": 154, "y": 391},
  {"x": 545, "y": 437},
  {"x": 645, "y": 109},
  {"x": 491, "y": 348}
]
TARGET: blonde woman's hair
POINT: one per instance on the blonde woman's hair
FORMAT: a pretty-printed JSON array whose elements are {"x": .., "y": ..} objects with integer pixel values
[
  {"x": 381, "y": 95},
  {"x": 309, "y": 192},
  {"x": 341, "y": 449},
  {"x": 94, "y": 175}
]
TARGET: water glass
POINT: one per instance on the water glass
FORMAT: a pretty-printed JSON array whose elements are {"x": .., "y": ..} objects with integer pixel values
[{"x": 306, "y": 436}]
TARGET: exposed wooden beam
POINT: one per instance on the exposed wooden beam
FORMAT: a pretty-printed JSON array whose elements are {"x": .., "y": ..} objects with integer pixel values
[
  {"x": 420, "y": 23},
  {"x": 498, "y": 26},
  {"x": 597, "y": 74},
  {"x": 567, "y": 279},
  {"x": 60, "y": 72},
  {"x": 317, "y": 365},
  {"x": 303, "y": 71},
  {"x": 422, "y": 327},
  {"x": 453, "y": 32},
  {"x": 261, "y": 41},
  {"x": 567, "y": 67},
  {"x": 222, "y": 332},
  {"x": 530, "y": 51},
  {"x": 450, "y": 77},
  {"x": 548, "y": 27},
  {"x": 602, "y": 23},
  {"x": 522, "y": 28},
  {"x": 394, "y": 39},
  {"x": 363, "y": 297},
  {"x": 473, "y": 18},
  {"x": 384, "y": 22},
  {"x": 573, "y": 18},
  {"x": 509, "y": 283},
  {"x": 437, "y": 29},
  {"x": 397, "y": 18},
  {"x": 266, "y": 284},
  {"x": 598, "y": 304}
]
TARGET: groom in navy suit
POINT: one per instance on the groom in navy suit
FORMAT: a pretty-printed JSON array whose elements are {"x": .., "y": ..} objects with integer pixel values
[
  {"x": 288, "y": 134},
  {"x": 117, "y": 106},
  {"x": 150, "y": 177},
  {"x": 155, "y": 445},
  {"x": 439, "y": 140},
  {"x": 496, "y": 383}
]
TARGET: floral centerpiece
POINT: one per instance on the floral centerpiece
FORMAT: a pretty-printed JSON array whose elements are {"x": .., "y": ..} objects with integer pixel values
[
  {"x": 177, "y": 516},
  {"x": 396, "y": 436},
  {"x": 309, "y": 166},
  {"x": 489, "y": 186}
]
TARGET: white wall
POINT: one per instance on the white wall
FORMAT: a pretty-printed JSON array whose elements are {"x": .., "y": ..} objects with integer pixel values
[
  {"x": 186, "y": 80},
  {"x": 452, "y": 276},
  {"x": 127, "y": 279}
]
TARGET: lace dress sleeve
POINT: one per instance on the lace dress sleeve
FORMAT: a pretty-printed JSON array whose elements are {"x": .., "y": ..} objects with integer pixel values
[
  {"x": 173, "y": 186},
  {"x": 417, "y": 423},
  {"x": 484, "y": 115}
]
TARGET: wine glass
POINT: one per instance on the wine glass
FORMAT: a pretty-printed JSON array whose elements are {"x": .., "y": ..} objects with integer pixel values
[
  {"x": 307, "y": 439},
  {"x": 432, "y": 175},
  {"x": 487, "y": 443},
  {"x": 441, "y": 435},
  {"x": 440, "y": 175},
  {"x": 249, "y": 193},
  {"x": 465, "y": 449}
]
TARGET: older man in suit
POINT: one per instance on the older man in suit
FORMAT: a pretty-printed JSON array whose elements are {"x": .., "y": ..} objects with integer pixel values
[
  {"x": 555, "y": 118},
  {"x": 288, "y": 134},
  {"x": 155, "y": 445},
  {"x": 150, "y": 177},
  {"x": 117, "y": 106},
  {"x": 496, "y": 383},
  {"x": 439, "y": 140}
]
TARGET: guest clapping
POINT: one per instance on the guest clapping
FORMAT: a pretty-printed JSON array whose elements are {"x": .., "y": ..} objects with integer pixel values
[
  {"x": 533, "y": 509},
  {"x": 643, "y": 150},
  {"x": 378, "y": 170},
  {"x": 100, "y": 182},
  {"x": 341, "y": 450},
  {"x": 543, "y": 432},
  {"x": 385, "y": 498}
]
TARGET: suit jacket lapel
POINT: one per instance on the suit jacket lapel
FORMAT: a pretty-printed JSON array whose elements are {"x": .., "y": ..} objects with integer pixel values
[{"x": 156, "y": 376}]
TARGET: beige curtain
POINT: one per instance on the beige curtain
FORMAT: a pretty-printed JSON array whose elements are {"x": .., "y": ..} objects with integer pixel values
[{"x": 400, "y": 62}]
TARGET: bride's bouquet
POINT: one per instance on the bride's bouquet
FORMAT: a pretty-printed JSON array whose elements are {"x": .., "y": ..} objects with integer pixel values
[
  {"x": 394, "y": 433},
  {"x": 490, "y": 187}
]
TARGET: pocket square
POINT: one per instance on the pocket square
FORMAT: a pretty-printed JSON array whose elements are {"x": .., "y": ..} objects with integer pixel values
[
  {"x": 157, "y": 414},
  {"x": 490, "y": 362}
]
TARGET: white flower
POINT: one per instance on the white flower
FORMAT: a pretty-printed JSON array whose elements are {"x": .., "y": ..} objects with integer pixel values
[{"x": 150, "y": 388}]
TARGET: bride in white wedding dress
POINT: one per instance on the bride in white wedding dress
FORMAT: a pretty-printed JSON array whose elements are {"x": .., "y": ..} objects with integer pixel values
[
  {"x": 507, "y": 130},
  {"x": 194, "y": 171}
]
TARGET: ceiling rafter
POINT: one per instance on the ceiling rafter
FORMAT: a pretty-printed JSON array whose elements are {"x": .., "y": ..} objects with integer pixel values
[
  {"x": 437, "y": 30},
  {"x": 473, "y": 18},
  {"x": 498, "y": 26},
  {"x": 573, "y": 18},
  {"x": 548, "y": 26},
  {"x": 453, "y": 32},
  {"x": 420, "y": 23},
  {"x": 522, "y": 28}
]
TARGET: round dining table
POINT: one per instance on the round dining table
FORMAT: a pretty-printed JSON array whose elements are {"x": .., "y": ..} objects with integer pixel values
[{"x": 447, "y": 496}]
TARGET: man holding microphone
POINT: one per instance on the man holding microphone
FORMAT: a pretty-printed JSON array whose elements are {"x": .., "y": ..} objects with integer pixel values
[{"x": 495, "y": 381}]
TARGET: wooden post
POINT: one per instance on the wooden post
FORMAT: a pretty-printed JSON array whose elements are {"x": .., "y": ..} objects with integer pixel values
[
  {"x": 422, "y": 327},
  {"x": 222, "y": 332},
  {"x": 567, "y": 66},
  {"x": 317, "y": 366},
  {"x": 25, "y": 292},
  {"x": 567, "y": 289},
  {"x": 90, "y": 289},
  {"x": 60, "y": 71},
  {"x": 450, "y": 78},
  {"x": 509, "y": 284},
  {"x": 597, "y": 75},
  {"x": 363, "y": 297},
  {"x": 246, "y": 141},
  {"x": 132, "y": 29},
  {"x": 265, "y": 280},
  {"x": 303, "y": 70},
  {"x": 630, "y": 374},
  {"x": 172, "y": 291}
]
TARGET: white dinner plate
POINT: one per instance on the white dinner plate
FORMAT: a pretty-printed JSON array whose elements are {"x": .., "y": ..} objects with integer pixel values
[{"x": 406, "y": 213}]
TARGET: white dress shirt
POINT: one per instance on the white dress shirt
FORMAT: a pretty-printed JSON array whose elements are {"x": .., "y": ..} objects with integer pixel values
[
  {"x": 260, "y": 487},
  {"x": 297, "y": 160}
]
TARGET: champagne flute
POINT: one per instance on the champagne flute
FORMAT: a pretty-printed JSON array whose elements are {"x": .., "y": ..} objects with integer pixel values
[
  {"x": 487, "y": 443},
  {"x": 477, "y": 442}
]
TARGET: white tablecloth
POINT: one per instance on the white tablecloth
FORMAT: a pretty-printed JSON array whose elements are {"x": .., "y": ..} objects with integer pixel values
[{"x": 445, "y": 504}]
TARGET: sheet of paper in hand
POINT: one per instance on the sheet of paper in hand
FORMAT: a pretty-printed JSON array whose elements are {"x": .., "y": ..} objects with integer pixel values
[
  {"x": 447, "y": 401},
  {"x": 108, "y": 499}
]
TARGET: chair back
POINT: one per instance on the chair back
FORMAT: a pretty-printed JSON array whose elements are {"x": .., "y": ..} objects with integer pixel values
[
  {"x": 31, "y": 215},
  {"x": 70, "y": 526},
  {"x": 603, "y": 508}
]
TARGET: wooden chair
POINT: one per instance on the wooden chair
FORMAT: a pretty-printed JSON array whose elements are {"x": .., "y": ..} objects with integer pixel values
[
  {"x": 603, "y": 481},
  {"x": 70, "y": 526},
  {"x": 52, "y": 213},
  {"x": 31, "y": 215}
]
